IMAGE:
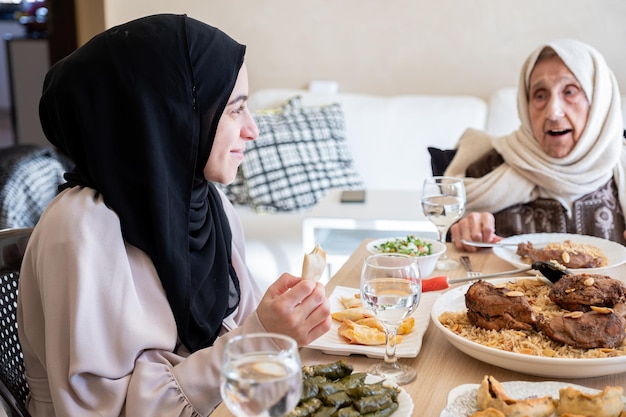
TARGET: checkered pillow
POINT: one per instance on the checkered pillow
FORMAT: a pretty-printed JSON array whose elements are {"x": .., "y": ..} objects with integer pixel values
[
  {"x": 236, "y": 191},
  {"x": 300, "y": 153}
]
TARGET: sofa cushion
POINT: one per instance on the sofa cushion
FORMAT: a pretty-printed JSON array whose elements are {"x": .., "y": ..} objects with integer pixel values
[
  {"x": 236, "y": 191},
  {"x": 388, "y": 135},
  {"x": 440, "y": 159},
  {"x": 300, "y": 153}
]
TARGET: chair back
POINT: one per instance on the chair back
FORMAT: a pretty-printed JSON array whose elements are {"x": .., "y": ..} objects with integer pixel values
[
  {"x": 13, "y": 386},
  {"x": 29, "y": 178}
]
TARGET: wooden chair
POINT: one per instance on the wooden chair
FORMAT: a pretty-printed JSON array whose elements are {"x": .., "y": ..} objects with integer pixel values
[{"x": 13, "y": 386}]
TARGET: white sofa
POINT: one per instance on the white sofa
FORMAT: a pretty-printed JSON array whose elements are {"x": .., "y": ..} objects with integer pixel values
[{"x": 388, "y": 138}]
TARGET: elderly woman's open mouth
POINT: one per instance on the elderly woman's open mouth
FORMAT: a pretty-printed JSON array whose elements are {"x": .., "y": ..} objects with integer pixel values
[{"x": 558, "y": 132}]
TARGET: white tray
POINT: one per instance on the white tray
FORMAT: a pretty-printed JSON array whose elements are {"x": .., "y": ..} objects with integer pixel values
[{"x": 333, "y": 344}]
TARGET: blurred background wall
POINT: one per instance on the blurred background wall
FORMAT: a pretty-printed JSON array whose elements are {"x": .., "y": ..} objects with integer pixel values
[
  {"x": 370, "y": 46},
  {"x": 395, "y": 46}
]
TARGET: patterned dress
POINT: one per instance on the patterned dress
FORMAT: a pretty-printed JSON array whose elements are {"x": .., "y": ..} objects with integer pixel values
[{"x": 597, "y": 214}]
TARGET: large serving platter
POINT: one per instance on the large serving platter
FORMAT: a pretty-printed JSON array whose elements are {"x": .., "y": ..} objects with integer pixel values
[
  {"x": 454, "y": 300},
  {"x": 615, "y": 253},
  {"x": 462, "y": 399},
  {"x": 333, "y": 344}
]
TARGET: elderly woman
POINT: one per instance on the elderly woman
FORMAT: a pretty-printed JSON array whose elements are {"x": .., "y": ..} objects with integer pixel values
[{"x": 562, "y": 171}]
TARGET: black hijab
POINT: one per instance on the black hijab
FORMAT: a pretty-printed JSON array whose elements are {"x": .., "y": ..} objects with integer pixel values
[{"x": 137, "y": 108}]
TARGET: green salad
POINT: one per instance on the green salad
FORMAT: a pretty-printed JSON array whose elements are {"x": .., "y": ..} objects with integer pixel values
[{"x": 409, "y": 246}]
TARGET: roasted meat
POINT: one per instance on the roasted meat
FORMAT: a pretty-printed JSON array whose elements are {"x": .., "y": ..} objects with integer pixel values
[
  {"x": 496, "y": 308},
  {"x": 567, "y": 254},
  {"x": 581, "y": 291},
  {"x": 585, "y": 330}
]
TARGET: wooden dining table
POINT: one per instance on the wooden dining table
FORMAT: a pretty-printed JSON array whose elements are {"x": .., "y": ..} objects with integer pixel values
[{"x": 440, "y": 366}]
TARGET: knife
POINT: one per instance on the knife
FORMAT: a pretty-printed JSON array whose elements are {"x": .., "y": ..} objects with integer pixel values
[
  {"x": 553, "y": 272},
  {"x": 442, "y": 282},
  {"x": 487, "y": 244}
]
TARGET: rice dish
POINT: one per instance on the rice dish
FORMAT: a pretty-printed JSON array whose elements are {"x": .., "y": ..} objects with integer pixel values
[{"x": 528, "y": 342}]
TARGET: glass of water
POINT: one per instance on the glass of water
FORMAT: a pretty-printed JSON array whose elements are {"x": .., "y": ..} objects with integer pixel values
[
  {"x": 443, "y": 203},
  {"x": 391, "y": 289},
  {"x": 261, "y": 375}
]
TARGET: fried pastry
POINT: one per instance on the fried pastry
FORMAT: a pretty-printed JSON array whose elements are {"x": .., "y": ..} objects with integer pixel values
[
  {"x": 491, "y": 394},
  {"x": 351, "y": 302},
  {"x": 490, "y": 412},
  {"x": 405, "y": 327},
  {"x": 607, "y": 403},
  {"x": 352, "y": 314},
  {"x": 363, "y": 335}
]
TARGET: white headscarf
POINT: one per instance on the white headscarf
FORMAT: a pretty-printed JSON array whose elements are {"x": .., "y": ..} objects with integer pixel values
[{"x": 528, "y": 172}]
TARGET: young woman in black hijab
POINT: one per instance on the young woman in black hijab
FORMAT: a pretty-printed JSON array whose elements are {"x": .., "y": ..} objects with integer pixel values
[{"x": 135, "y": 275}]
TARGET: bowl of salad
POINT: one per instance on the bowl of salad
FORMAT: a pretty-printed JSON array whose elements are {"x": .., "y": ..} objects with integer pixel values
[{"x": 426, "y": 251}]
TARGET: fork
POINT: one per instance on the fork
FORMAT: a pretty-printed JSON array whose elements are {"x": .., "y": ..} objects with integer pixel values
[{"x": 465, "y": 260}]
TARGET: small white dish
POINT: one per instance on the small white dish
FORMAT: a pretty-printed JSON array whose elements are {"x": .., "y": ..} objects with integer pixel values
[
  {"x": 615, "y": 253},
  {"x": 333, "y": 344},
  {"x": 426, "y": 263}
]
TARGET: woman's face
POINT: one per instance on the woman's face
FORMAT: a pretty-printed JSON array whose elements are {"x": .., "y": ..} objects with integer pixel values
[
  {"x": 558, "y": 107},
  {"x": 235, "y": 128}
]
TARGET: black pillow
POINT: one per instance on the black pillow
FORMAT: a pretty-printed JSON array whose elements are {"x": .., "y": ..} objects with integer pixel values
[{"x": 440, "y": 159}]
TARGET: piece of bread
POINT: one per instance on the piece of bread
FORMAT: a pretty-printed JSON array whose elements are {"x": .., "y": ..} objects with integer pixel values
[{"x": 314, "y": 264}]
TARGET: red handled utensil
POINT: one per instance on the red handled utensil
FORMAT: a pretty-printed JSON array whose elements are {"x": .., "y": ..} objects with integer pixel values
[{"x": 550, "y": 270}]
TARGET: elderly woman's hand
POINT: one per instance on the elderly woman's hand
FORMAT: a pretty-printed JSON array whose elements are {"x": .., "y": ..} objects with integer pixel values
[
  {"x": 297, "y": 308},
  {"x": 480, "y": 227}
]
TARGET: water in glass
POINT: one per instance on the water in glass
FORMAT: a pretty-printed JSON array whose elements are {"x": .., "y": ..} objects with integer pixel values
[
  {"x": 260, "y": 383},
  {"x": 443, "y": 203},
  {"x": 391, "y": 299},
  {"x": 391, "y": 288}
]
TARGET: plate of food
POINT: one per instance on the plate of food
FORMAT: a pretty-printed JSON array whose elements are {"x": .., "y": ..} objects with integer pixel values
[
  {"x": 332, "y": 343},
  {"x": 408, "y": 245},
  {"x": 525, "y": 349},
  {"x": 334, "y": 385},
  {"x": 464, "y": 400},
  {"x": 405, "y": 402},
  {"x": 579, "y": 253},
  {"x": 426, "y": 251}
]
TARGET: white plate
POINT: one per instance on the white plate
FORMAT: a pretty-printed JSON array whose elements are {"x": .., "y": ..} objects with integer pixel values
[
  {"x": 454, "y": 300},
  {"x": 405, "y": 402},
  {"x": 332, "y": 344},
  {"x": 615, "y": 253},
  {"x": 405, "y": 405},
  {"x": 462, "y": 399}
]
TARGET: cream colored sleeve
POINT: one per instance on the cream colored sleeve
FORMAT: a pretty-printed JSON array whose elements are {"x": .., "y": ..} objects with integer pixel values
[{"x": 98, "y": 335}]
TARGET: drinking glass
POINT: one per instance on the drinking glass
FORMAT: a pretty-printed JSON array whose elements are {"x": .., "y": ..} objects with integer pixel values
[
  {"x": 443, "y": 203},
  {"x": 391, "y": 289},
  {"x": 261, "y": 375}
]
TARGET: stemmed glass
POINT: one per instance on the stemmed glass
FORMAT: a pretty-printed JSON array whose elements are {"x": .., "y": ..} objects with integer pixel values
[
  {"x": 391, "y": 289},
  {"x": 443, "y": 202},
  {"x": 261, "y": 375}
]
